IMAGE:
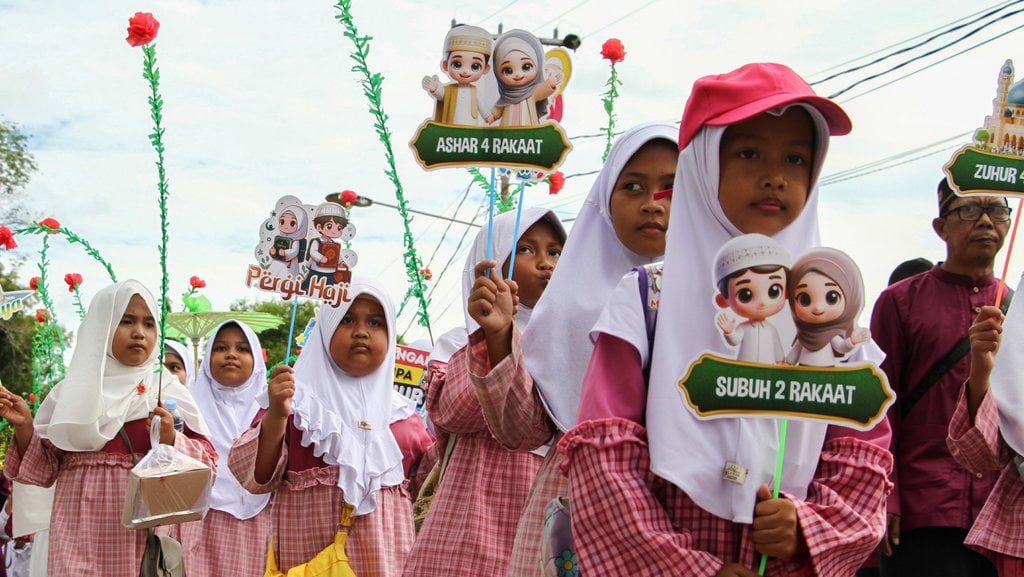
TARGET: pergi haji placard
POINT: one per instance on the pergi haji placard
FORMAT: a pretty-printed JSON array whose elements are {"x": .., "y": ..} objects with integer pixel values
[
  {"x": 806, "y": 378},
  {"x": 410, "y": 365},
  {"x": 303, "y": 251},
  {"x": 471, "y": 126},
  {"x": 994, "y": 163}
]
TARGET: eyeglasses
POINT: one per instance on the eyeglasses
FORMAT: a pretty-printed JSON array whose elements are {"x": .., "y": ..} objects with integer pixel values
[{"x": 972, "y": 212}]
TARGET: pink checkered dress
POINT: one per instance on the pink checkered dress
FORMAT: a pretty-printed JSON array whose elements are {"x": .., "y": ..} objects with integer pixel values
[
  {"x": 86, "y": 534},
  {"x": 473, "y": 516},
  {"x": 307, "y": 506},
  {"x": 628, "y": 521},
  {"x": 997, "y": 531}
]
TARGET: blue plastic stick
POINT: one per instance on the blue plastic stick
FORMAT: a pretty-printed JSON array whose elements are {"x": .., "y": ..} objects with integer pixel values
[
  {"x": 490, "y": 224},
  {"x": 515, "y": 235},
  {"x": 291, "y": 330}
]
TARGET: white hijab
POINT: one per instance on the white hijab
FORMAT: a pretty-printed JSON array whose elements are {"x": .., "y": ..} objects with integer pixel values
[
  {"x": 692, "y": 453},
  {"x": 592, "y": 263},
  {"x": 1005, "y": 383},
  {"x": 329, "y": 406},
  {"x": 185, "y": 354},
  {"x": 504, "y": 237},
  {"x": 229, "y": 411},
  {"x": 99, "y": 394}
]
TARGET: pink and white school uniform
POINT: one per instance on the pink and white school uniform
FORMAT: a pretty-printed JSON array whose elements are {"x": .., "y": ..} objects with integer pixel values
[
  {"x": 337, "y": 449},
  {"x": 232, "y": 539},
  {"x": 77, "y": 443},
  {"x": 648, "y": 491},
  {"x": 471, "y": 523},
  {"x": 592, "y": 262}
]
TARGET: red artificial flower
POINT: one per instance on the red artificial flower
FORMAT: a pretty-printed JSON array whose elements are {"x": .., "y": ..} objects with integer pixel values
[
  {"x": 50, "y": 223},
  {"x": 7, "y": 238},
  {"x": 142, "y": 29},
  {"x": 141, "y": 389},
  {"x": 426, "y": 274},
  {"x": 42, "y": 315},
  {"x": 32, "y": 398},
  {"x": 348, "y": 197},
  {"x": 555, "y": 182},
  {"x": 196, "y": 282},
  {"x": 613, "y": 50},
  {"x": 33, "y": 283},
  {"x": 74, "y": 280}
]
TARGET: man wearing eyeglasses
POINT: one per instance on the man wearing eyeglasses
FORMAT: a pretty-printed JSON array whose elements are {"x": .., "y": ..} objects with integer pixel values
[{"x": 921, "y": 323}]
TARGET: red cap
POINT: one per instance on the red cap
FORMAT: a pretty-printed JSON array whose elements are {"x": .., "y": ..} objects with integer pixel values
[{"x": 725, "y": 99}]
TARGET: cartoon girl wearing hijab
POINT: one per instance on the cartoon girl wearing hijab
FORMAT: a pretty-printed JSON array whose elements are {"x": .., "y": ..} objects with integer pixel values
[
  {"x": 517, "y": 60},
  {"x": 290, "y": 241},
  {"x": 827, "y": 295}
]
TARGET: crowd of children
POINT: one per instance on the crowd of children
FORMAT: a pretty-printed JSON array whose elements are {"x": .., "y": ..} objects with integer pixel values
[{"x": 563, "y": 385}]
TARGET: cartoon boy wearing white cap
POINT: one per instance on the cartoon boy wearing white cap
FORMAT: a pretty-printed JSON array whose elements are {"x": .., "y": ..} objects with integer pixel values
[
  {"x": 467, "y": 50},
  {"x": 750, "y": 271},
  {"x": 331, "y": 221}
]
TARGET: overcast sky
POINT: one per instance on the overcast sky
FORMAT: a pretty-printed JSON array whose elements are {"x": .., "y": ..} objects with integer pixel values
[{"x": 260, "y": 102}]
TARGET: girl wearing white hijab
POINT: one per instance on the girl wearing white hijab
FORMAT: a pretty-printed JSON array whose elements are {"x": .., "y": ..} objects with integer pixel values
[
  {"x": 518, "y": 63},
  {"x": 683, "y": 492},
  {"x": 324, "y": 443},
  {"x": 474, "y": 513},
  {"x": 231, "y": 377},
  {"x": 619, "y": 226},
  {"x": 111, "y": 385},
  {"x": 178, "y": 361}
]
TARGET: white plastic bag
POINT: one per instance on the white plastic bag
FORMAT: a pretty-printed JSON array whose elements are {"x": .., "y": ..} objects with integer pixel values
[{"x": 166, "y": 487}]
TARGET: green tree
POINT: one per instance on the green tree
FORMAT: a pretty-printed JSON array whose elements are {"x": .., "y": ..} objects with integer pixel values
[
  {"x": 16, "y": 342},
  {"x": 275, "y": 340},
  {"x": 16, "y": 162}
]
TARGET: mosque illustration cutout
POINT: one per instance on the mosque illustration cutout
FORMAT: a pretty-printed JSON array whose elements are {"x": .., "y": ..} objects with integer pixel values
[{"x": 1003, "y": 131}]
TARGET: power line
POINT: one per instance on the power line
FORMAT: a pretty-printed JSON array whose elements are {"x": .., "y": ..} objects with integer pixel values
[
  {"x": 620, "y": 19},
  {"x": 926, "y": 54},
  {"x": 498, "y": 11},
  {"x": 918, "y": 45},
  {"x": 555, "y": 19}
]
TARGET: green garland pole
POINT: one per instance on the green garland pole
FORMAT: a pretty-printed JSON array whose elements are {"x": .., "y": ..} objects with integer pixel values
[
  {"x": 142, "y": 30},
  {"x": 613, "y": 51},
  {"x": 371, "y": 84},
  {"x": 44, "y": 227}
]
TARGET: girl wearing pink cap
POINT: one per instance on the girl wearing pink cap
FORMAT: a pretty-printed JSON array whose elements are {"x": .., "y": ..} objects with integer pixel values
[{"x": 654, "y": 488}]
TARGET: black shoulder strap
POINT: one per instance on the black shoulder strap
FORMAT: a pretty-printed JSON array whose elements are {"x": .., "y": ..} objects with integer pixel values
[{"x": 943, "y": 365}]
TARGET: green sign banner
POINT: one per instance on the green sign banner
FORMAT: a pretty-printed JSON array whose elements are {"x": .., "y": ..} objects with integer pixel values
[
  {"x": 854, "y": 395},
  {"x": 439, "y": 145},
  {"x": 973, "y": 170}
]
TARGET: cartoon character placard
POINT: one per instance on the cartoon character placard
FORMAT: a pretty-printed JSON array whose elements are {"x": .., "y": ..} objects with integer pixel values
[
  {"x": 470, "y": 127},
  {"x": 994, "y": 164},
  {"x": 410, "y": 365},
  {"x": 303, "y": 251},
  {"x": 807, "y": 379},
  {"x": 12, "y": 302}
]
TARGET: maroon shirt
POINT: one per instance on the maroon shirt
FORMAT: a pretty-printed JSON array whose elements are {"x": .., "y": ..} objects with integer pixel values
[{"x": 917, "y": 322}]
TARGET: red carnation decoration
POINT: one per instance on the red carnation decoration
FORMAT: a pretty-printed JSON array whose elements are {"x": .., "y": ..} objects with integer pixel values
[
  {"x": 32, "y": 398},
  {"x": 74, "y": 280},
  {"x": 196, "y": 282},
  {"x": 555, "y": 182},
  {"x": 33, "y": 283},
  {"x": 348, "y": 197},
  {"x": 42, "y": 315},
  {"x": 426, "y": 274},
  {"x": 142, "y": 29},
  {"x": 613, "y": 50},
  {"x": 141, "y": 389},
  {"x": 7, "y": 238},
  {"x": 50, "y": 223}
]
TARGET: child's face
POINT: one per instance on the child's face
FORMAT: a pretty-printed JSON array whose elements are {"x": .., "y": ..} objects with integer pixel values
[
  {"x": 231, "y": 359},
  {"x": 330, "y": 229},
  {"x": 517, "y": 69},
  {"x": 287, "y": 222},
  {"x": 360, "y": 342},
  {"x": 465, "y": 67},
  {"x": 757, "y": 296},
  {"x": 640, "y": 221},
  {"x": 175, "y": 366},
  {"x": 135, "y": 335},
  {"x": 765, "y": 171},
  {"x": 818, "y": 299},
  {"x": 537, "y": 254}
]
